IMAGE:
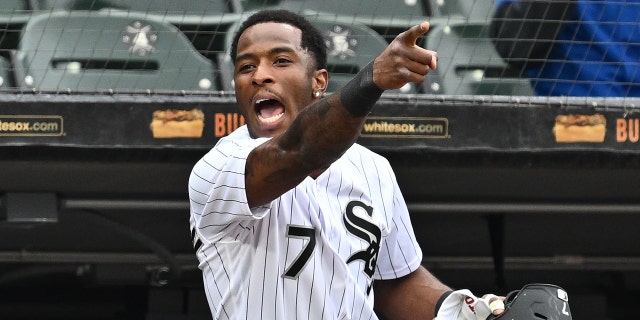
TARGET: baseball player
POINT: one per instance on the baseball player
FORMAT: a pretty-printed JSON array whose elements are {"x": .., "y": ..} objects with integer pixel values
[{"x": 290, "y": 218}]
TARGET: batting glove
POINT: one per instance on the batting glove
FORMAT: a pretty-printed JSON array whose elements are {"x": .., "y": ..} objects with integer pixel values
[{"x": 463, "y": 305}]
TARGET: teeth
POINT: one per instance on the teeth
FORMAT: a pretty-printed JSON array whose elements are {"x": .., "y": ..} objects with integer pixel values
[
  {"x": 270, "y": 119},
  {"x": 261, "y": 101}
]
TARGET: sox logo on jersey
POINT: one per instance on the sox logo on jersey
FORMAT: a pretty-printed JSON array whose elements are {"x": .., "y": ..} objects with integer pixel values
[{"x": 366, "y": 231}]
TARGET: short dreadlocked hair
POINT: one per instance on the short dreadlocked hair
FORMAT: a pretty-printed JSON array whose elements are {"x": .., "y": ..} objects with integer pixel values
[{"x": 312, "y": 39}]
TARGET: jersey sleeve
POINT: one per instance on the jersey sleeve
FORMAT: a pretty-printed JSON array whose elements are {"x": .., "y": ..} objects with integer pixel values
[
  {"x": 400, "y": 253},
  {"x": 217, "y": 196}
]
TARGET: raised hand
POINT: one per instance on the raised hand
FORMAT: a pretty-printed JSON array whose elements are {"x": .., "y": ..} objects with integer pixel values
[{"x": 403, "y": 61}]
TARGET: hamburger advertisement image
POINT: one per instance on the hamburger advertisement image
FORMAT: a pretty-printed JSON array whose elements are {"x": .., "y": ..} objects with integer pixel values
[
  {"x": 172, "y": 123},
  {"x": 580, "y": 128}
]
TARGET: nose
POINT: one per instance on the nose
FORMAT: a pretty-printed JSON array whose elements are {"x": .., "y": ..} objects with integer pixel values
[{"x": 262, "y": 75}]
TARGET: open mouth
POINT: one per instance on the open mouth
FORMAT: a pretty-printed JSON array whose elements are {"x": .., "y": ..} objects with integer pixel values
[{"x": 269, "y": 110}]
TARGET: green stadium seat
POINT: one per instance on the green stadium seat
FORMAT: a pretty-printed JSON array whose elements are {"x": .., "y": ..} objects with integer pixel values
[
  {"x": 9, "y": 6},
  {"x": 470, "y": 9},
  {"x": 204, "y": 22},
  {"x": 350, "y": 47},
  {"x": 387, "y": 17},
  {"x": 163, "y": 7},
  {"x": 13, "y": 15},
  {"x": 399, "y": 9},
  {"x": 468, "y": 63},
  {"x": 94, "y": 51},
  {"x": 13, "y": 12},
  {"x": 6, "y": 79}
]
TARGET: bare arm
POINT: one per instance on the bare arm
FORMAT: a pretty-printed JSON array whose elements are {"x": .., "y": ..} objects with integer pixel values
[
  {"x": 413, "y": 296},
  {"x": 318, "y": 136},
  {"x": 323, "y": 131}
]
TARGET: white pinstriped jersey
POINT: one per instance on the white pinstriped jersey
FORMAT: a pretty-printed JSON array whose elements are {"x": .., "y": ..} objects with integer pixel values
[{"x": 313, "y": 252}]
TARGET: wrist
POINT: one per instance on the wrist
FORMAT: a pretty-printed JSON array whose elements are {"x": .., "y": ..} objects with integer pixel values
[
  {"x": 360, "y": 94},
  {"x": 441, "y": 300}
]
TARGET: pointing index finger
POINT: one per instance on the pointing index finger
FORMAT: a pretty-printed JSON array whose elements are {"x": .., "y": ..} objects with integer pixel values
[{"x": 411, "y": 36}]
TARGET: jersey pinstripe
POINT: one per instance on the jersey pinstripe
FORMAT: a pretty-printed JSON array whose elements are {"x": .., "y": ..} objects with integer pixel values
[{"x": 312, "y": 253}]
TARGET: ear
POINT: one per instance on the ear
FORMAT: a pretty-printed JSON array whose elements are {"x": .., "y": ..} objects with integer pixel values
[{"x": 320, "y": 80}]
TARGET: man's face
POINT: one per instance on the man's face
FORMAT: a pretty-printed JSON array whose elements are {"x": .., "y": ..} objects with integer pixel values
[{"x": 274, "y": 77}]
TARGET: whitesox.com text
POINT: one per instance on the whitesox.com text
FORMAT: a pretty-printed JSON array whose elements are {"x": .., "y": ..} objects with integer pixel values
[
  {"x": 422, "y": 127},
  {"x": 23, "y": 125}
]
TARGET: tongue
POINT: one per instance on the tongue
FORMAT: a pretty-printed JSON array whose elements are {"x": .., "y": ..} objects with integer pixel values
[{"x": 271, "y": 110}]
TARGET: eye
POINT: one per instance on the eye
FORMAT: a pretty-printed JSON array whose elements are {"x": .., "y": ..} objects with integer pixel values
[
  {"x": 282, "y": 61},
  {"x": 246, "y": 67}
]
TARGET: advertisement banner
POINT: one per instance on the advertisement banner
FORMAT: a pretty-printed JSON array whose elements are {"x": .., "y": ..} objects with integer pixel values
[{"x": 395, "y": 124}]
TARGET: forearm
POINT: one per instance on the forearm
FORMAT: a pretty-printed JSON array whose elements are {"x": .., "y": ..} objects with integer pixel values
[
  {"x": 411, "y": 297},
  {"x": 319, "y": 135},
  {"x": 323, "y": 131}
]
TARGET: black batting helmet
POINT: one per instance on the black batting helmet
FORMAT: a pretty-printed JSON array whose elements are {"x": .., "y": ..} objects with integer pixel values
[{"x": 536, "y": 301}]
